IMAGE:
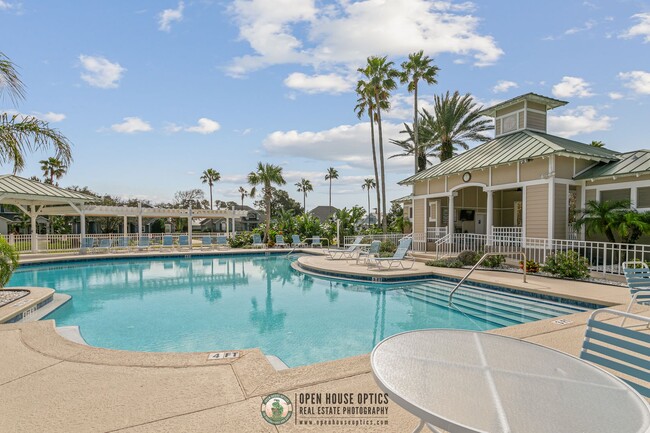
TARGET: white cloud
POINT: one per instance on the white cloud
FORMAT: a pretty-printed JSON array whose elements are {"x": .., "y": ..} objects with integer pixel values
[
  {"x": 615, "y": 95},
  {"x": 100, "y": 72},
  {"x": 204, "y": 126},
  {"x": 343, "y": 34},
  {"x": 329, "y": 83},
  {"x": 639, "y": 81},
  {"x": 580, "y": 120},
  {"x": 50, "y": 116},
  {"x": 131, "y": 125},
  {"x": 172, "y": 128},
  {"x": 642, "y": 28},
  {"x": 4, "y": 5},
  {"x": 504, "y": 86},
  {"x": 572, "y": 86},
  {"x": 586, "y": 26},
  {"x": 166, "y": 17}
]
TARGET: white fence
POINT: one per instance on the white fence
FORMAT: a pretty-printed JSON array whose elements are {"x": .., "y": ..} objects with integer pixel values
[
  {"x": 435, "y": 233},
  {"x": 603, "y": 257},
  {"x": 419, "y": 241}
]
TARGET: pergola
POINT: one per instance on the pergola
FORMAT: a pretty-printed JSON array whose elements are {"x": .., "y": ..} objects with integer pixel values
[{"x": 36, "y": 198}]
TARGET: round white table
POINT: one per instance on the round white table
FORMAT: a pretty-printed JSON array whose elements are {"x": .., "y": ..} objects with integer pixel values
[{"x": 464, "y": 381}]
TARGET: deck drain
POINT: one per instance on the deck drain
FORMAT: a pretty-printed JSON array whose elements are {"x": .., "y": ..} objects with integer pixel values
[
  {"x": 222, "y": 355},
  {"x": 562, "y": 322}
]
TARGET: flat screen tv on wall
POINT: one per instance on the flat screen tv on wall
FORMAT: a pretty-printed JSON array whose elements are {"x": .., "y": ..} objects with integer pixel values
[{"x": 466, "y": 215}]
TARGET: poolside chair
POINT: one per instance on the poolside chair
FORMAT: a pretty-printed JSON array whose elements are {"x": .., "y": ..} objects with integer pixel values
[
  {"x": 183, "y": 242},
  {"x": 620, "y": 349},
  {"x": 316, "y": 242},
  {"x": 87, "y": 244},
  {"x": 167, "y": 242},
  {"x": 346, "y": 253},
  {"x": 144, "y": 243},
  {"x": 373, "y": 251},
  {"x": 279, "y": 242},
  {"x": 104, "y": 244},
  {"x": 637, "y": 275},
  {"x": 121, "y": 244},
  {"x": 257, "y": 241},
  {"x": 222, "y": 242},
  {"x": 296, "y": 242},
  {"x": 206, "y": 243},
  {"x": 398, "y": 259}
]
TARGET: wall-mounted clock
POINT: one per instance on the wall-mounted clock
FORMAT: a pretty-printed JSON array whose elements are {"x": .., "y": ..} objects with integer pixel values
[{"x": 467, "y": 176}]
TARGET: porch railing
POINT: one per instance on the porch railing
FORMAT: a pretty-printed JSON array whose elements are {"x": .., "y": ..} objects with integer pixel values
[{"x": 435, "y": 233}]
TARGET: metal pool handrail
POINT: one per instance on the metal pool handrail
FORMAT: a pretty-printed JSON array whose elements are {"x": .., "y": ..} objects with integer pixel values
[{"x": 451, "y": 294}]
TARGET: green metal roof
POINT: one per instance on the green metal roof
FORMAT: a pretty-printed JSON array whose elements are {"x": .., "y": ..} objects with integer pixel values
[
  {"x": 550, "y": 103},
  {"x": 17, "y": 187},
  {"x": 510, "y": 148},
  {"x": 406, "y": 198},
  {"x": 636, "y": 162}
]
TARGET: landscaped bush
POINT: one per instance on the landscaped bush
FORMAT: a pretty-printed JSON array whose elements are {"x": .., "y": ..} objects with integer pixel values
[
  {"x": 241, "y": 240},
  {"x": 8, "y": 261},
  {"x": 387, "y": 247},
  {"x": 493, "y": 261},
  {"x": 468, "y": 258},
  {"x": 531, "y": 266},
  {"x": 567, "y": 265},
  {"x": 445, "y": 263}
]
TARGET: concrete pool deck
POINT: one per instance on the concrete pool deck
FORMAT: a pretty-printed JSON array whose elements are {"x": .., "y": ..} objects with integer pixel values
[{"x": 48, "y": 383}]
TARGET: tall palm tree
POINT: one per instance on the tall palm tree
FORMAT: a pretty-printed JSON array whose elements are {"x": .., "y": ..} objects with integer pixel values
[
  {"x": 266, "y": 176},
  {"x": 382, "y": 79},
  {"x": 52, "y": 168},
  {"x": 426, "y": 139},
  {"x": 368, "y": 184},
  {"x": 455, "y": 121},
  {"x": 332, "y": 173},
  {"x": 244, "y": 194},
  {"x": 417, "y": 67},
  {"x": 20, "y": 134},
  {"x": 210, "y": 176},
  {"x": 597, "y": 143},
  {"x": 365, "y": 104},
  {"x": 304, "y": 186}
]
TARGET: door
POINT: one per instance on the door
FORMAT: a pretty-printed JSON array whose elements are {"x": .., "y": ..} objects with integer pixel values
[{"x": 479, "y": 223}]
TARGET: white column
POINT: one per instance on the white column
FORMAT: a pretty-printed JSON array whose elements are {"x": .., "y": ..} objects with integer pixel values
[
  {"x": 450, "y": 228},
  {"x": 139, "y": 220},
  {"x": 490, "y": 216},
  {"x": 125, "y": 226},
  {"x": 82, "y": 225},
  {"x": 551, "y": 208},
  {"x": 523, "y": 216},
  {"x": 33, "y": 216},
  {"x": 189, "y": 226}
]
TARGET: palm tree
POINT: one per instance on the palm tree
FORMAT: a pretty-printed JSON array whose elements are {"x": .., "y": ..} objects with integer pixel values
[
  {"x": 381, "y": 75},
  {"x": 632, "y": 225},
  {"x": 602, "y": 217},
  {"x": 455, "y": 121},
  {"x": 52, "y": 168},
  {"x": 597, "y": 143},
  {"x": 244, "y": 194},
  {"x": 19, "y": 134},
  {"x": 332, "y": 173},
  {"x": 365, "y": 103},
  {"x": 418, "y": 67},
  {"x": 368, "y": 184},
  {"x": 426, "y": 140},
  {"x": 304, "y": 186},
  {"x": 210, "y": 176},
  {"x": 266, "y": 176}
]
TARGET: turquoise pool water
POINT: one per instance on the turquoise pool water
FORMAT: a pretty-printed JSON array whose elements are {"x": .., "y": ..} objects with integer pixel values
[{"x": 237, "y": 302}]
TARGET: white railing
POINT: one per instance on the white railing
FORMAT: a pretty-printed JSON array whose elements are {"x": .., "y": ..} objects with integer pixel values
[
  {"x": 507, "y": 231},
  {"x": 392, "y": 237},
  {"x": 435, "y": 233}
]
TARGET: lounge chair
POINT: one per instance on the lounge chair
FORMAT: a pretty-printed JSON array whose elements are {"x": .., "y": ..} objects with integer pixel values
[
  {"x": 167, "y": 242},
  {"x": 222, "y": 242},
  {"x": 398, "y": 259},
  {"x": 87, "y": 244},
  {"x": 257, "y": 241},
  {"x": 121, "y": 244},
  {"x": 183, "y": 241},
  {"x": 104, "y": 244},
  {"x": 346, "y": 253},
  {"x": 279, "y": 242},
  {"x": 144, "y": 243},
  {"x": 296, "y": 242},
  {"x": 206, "y": 243},
  {"x": 637, "y": 276},
  {"x": 373, "y": 251},
  {"x": 623, "y": 350},
  {"x": 316, "y": 242}
]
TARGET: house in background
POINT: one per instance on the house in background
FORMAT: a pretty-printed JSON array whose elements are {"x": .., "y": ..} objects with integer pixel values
[
  {"x": 252, "y": 220},
  {"x": 524, "y": 183},
  {"x": 323, "y": 213}
]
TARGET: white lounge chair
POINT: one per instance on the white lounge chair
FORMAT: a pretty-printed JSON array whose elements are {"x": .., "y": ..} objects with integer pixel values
[
  {"x": 222, "y": 242},
  {"x": 183, "y": 242},
  {"x": 144, "y": 243},
  {"x": 316, "y": 242},
  {"x": 121, "y": 244},
  {"x": 257, "y": 241},
  {"x": 296, "y": 242},
  {"x": 87, "y": 244},
  {"x": 346, "y": 253},
  {"x": 105, "y": 245},
  {"x": 167, "y": 243},
  {"x": 373, "y": 251},
  {"x": 398, "y": 259},
  {"x": 206, "y": 243},
  {"x": 279, "y": 242},
  {"x": 637, "y": 276}
]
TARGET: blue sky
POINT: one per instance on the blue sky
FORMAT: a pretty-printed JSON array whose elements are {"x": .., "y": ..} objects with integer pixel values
[{"x": 152, "y": 93}]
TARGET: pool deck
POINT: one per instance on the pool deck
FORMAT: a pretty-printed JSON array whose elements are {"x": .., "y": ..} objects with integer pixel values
[{"x": 48, "y": 383}]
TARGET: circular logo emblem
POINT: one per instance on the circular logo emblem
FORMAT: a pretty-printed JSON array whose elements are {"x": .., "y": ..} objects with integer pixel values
[{"x": 276, "y": 409}]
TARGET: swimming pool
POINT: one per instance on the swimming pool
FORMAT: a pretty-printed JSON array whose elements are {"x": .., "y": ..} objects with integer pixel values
[{"x": 246, "y": 301}]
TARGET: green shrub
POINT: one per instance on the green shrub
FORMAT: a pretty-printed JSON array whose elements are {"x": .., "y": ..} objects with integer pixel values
[
  {"x": 387, "y": 247},
  {"x": 493, "y": 261},
  {"x": 567, "y": 265},
  {"x": 531, "y": 266},
  {"x": 468, "y": 258},
  {"x": 240, "y": 240},
  {"x": 8, "y": 261},
  {"x": 445, "y": 263}
]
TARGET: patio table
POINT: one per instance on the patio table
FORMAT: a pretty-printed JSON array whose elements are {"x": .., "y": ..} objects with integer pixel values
[{"x": 463, "y": 381}]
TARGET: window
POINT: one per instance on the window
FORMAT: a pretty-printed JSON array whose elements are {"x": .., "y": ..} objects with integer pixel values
[
  {"x": 615, "y": 195},
  {"x": 408, "y": 213},
  {"x": 643, "y": 197},
  {"x": 433, "y": 211},
  {"x": 509, "y": 123}
]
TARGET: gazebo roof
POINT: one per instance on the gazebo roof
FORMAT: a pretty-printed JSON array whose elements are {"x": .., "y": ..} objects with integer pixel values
[{"x": 18, "y": 190}]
